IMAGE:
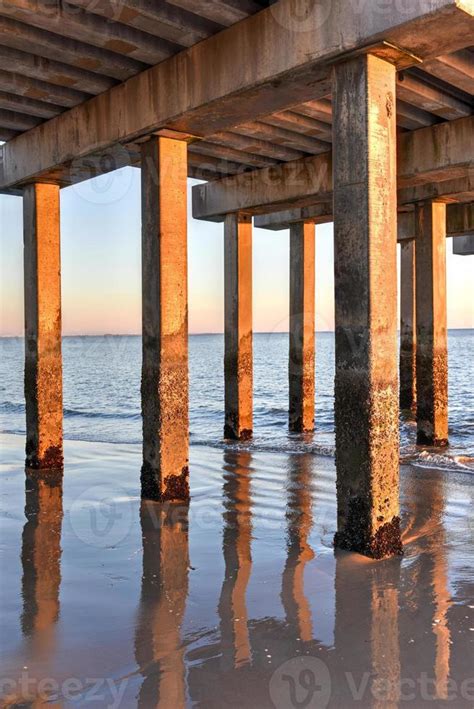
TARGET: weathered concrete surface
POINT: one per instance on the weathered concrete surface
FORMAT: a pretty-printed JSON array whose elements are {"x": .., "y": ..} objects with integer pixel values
[
  {"x": 275, "y": 221},
  {"x": 441, "y": 152},
  {"x": 366, "y": 386},
  {"x": 408, "y": 325},
  {"x": 432, "y": 342},
  {"x": 43, "y": 362},
  {"x": 459, "y": 222},
  {"x": 238, "y": 358},
  {"x": 459, "y": 219},
  {"x": 464, "y": 246},
  {"x": 302, "y": 324},
  {"x": 457, "y": 189},
  {"x": 177, "y": 92},
  {"x": 165, "y": 320}
]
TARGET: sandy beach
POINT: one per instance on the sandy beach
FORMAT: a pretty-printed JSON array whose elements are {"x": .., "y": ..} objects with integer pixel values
[{"x": 238, "y": 600}]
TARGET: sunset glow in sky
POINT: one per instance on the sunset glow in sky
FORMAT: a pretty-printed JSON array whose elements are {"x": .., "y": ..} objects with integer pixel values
[{"x": 100, "y": 243}]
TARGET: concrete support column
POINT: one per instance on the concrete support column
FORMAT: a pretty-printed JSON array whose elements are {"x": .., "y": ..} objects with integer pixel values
[
  {"x": 43, "y": 362},
  {"x": 365, "y": 240},
  {"x": 301, "y": 364},
  {"x": 238, "y": 362},
  {"x": 165, "y": 470},
  {"x": 408, "y": 325},
  {"x": 432, "y": 342}
]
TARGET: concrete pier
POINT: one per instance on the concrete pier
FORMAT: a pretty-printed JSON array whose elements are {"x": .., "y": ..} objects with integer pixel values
[
  {"x": 432, "y": 342},
  {"x": 408, "y": 325},
  {"x": 301, "y": 362},
  {"x": 365, "y": 237},
  {"x": 165, "y": 320},
  {"x": 301, "y": 126},
  {"x": 238, "y": 358},
  {"x": 43, "y": 363}
]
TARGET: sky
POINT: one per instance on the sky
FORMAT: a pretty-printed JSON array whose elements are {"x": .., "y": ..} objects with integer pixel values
[{"x": 100, "y": 261}]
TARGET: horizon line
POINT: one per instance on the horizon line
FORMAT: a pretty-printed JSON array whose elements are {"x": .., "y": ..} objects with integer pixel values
[{"x": 193, "y": 334}]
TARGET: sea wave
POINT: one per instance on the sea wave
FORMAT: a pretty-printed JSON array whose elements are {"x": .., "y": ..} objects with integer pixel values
[
  {"x": 422, "y": 458},
  {"x": 440, "y": 461}
]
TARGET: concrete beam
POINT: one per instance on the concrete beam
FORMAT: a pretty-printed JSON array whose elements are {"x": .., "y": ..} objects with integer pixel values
[
  {"x": 40, "y": 90},
  {"x": 429, "y": 98},
  {"x": 431, "y": 325},
  {"x": 440, "y": 152},
  {"x": 365, "y": 279},
  {"x": 460, "y": 219},
  {"x": 456, "y": 69},
  {"x": 225, "y": 12},
  {"x": 30, "y": 106},
  {"x": 80, "y": 55},
  {"x": 8, "y": 134},
  {"x": 238, "y": 358},
  {"x": 177, "y": 92},
  {"x": 43, "y": 361},
  {"x": 17, "y": 121},
  {"x": 89, "y": 27},
  {"x": 457, "y": 189},
  {"x": 51, "y": 71},
  {"x": 459, "y": 222},
  {"x": 464, "y": 246},
  {"x": 165, "y": 472},
  {"x": 163, "y": 20}
]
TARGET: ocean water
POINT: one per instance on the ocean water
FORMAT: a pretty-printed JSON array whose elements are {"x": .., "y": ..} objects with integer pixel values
[{"x": 102, "y": 395}]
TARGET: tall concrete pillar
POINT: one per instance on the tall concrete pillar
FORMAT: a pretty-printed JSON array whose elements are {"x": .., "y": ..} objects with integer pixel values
[
  {"x": 432, "y": 342},
  {"x": 165, "y": 473},
  {"x": 408, "y": 326},
  {"x": 238, "y": 361},
  {"x": 301, "y": 364},
  {"x": 365, "y": 240},
  {"x": 43, "y": 362}
]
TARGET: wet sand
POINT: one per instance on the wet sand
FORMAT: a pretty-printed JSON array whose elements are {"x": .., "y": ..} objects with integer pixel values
[{"x": 238, "y": 600}]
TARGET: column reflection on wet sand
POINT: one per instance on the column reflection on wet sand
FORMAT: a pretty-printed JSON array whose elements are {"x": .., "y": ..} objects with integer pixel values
[
  {"x": 427, "y": 578},
  {"x": 299, "y": 523},
  {"x": 366, "y": 629},
  {"x": 392, "y": 617},
  {"x": 159, "y": 650},
  {"x": 41, "y": 562},
  {"x": 236, "y": 544}
]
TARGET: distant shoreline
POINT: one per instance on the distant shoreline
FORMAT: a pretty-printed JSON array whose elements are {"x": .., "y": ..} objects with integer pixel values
[{"x": 207, "y": 334}]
